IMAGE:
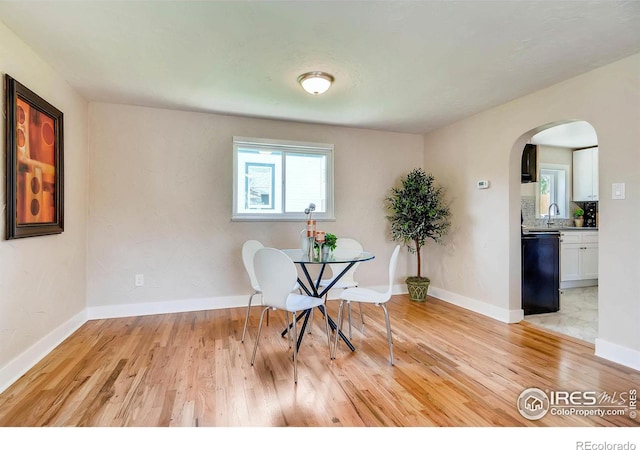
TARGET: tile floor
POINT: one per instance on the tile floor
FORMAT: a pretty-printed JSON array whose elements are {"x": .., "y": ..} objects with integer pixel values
[{"x": 578, "y": 315}]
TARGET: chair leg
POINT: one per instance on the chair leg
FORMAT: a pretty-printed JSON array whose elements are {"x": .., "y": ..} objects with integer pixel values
[
  {"x": 289, "y": 324},
  {"x": 310, "y": 325},
  {"x": 295, "y": 350},
  {"x": 326, "y": 313},
  {"x": 361, "y": 315},
  {"x": 326, "y": 324},
  {"x": 386, "y": 318},
  {"x": 255, "y": 347},
  {"x": 349, "y": 317},
  {"x": 339, "y": 326},
  {"x": 246, "y": 319}
]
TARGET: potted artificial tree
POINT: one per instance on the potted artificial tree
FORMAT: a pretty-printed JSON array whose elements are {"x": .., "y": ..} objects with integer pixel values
[{"x": 417, "y": 213}]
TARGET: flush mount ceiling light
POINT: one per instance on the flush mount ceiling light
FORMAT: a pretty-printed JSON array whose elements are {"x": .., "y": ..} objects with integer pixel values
[{"x": 315, "y": 83}]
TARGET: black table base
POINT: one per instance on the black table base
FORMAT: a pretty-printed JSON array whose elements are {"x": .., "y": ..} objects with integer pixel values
[{"x": 313, "y": 292}]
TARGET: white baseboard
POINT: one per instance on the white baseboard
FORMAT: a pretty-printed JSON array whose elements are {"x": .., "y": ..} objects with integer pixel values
[
  {"x": 618, "y": 354},
  {"x": 10, "y": 373},
  {"x": 197, "y": 304},
  {"x": 174, "y": 306},
  {"x": 578, "y": 283},
  {"x": 495, "y": 312}
]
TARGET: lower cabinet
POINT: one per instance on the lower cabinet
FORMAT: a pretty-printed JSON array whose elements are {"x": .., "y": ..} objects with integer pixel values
[{"x": 578, "y": 256}]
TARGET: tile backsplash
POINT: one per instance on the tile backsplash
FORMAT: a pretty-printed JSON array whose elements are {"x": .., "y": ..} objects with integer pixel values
[{"x": 528, "y": 207}]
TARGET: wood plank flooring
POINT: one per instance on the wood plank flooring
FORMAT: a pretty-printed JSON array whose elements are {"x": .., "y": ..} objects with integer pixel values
[{"x": 453, "y": 368}]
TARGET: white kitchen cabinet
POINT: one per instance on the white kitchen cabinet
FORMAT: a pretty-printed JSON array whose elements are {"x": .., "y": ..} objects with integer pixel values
[
  {"x": 585, "y": 175},
  {"x": 578, "y": 256},
  {"x": 589, "y": 268},
  {"x": 570, "y": 262}
]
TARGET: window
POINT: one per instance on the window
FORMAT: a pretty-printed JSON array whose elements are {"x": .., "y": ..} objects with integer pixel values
[
  {"x": 276, "y": 180},
  {"x": 552, "y": 189}
]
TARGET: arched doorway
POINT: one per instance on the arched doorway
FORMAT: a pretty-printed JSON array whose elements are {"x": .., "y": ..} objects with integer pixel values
[{"x": 562, "y": 184}]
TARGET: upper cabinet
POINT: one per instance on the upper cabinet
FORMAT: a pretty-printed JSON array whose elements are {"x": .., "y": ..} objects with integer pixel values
[
  {"x": 585, "y": 175},
  {"x": 529, "y": 171}
]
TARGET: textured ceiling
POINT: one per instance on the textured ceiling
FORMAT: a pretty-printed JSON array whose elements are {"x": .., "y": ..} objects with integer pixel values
[{"x": 400, "y": 66}]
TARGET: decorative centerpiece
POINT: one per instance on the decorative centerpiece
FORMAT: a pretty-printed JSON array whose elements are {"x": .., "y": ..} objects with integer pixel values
[
  {"x": 309, "y": 245},
  {"x": 325, "y": 244},
  {"x": 417, "y": 213}
]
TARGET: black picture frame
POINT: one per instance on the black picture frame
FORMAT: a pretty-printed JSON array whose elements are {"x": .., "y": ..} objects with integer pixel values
[{"x": 34, "y": 135}]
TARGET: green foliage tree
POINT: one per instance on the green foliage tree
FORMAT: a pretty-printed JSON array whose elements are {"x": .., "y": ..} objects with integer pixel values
[
  {"x": 417, "y": 212},
  {"x": 544, "y": 185}
]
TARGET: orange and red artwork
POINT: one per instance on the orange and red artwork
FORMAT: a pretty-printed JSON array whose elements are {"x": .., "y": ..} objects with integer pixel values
[
  {"x": 35, "y": 139},
  {"x": 34, "y": 164}
]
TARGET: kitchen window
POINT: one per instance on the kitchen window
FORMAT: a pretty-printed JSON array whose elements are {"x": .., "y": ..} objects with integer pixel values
[
  {"x": 552, "y": 189},
  {"x": 277, "y": 180}
]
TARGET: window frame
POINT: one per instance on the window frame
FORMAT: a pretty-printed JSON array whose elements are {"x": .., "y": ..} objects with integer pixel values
[{"x": 285, "y": 147}]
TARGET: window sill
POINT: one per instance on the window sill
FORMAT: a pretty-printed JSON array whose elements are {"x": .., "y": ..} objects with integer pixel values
[{"x": 279, "y": 219}]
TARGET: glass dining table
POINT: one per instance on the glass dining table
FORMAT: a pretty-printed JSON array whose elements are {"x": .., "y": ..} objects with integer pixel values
[{"x": 345, "y": 258}]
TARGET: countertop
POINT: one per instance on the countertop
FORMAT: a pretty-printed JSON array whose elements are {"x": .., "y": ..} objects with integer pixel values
[{"x": 527, "y": 230}]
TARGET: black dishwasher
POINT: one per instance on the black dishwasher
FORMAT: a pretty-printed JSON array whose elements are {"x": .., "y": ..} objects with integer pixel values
[{"x": 540, "y": 272}]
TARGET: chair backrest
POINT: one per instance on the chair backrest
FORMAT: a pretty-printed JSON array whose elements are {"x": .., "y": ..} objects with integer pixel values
[
  {"x": 347, "y": 247},
  {"x": 249, "y": 250},
  {"x": 276, "y": 274},
  {"x": 393, "y": 262}
]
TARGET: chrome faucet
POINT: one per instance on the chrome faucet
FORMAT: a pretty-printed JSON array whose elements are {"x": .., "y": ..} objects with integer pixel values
[{"x": 549, "y": 222}]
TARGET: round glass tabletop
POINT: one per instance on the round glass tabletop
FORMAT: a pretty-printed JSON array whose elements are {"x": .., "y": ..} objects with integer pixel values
[{"x": 337, "y": 257}]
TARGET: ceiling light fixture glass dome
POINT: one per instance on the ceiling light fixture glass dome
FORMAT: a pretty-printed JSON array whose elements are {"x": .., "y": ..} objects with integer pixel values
[{"x": 315, "y": 83}]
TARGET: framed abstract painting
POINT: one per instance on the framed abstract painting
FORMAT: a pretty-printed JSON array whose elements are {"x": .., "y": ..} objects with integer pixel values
[{"x": 35, "y": 170}]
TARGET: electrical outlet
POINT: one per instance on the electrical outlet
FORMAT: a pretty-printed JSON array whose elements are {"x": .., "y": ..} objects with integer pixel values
[{"x": 139, "y": 280}]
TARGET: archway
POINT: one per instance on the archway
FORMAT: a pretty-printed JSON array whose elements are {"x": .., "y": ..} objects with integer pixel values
[{"x": 548, "y": 199}]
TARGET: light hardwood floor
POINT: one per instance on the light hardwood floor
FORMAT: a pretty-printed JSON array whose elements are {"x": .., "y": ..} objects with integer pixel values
[{"x": 453, "y": 368}]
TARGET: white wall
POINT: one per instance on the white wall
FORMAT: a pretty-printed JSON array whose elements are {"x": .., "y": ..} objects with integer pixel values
[
  {"x": 555, "y": 155},
  {"x": 480, "y": 263},
  {"x": 161, "y": 191},
  {"x": 43, "y": 279}
]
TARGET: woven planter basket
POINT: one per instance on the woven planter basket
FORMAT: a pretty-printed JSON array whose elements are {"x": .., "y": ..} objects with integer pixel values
[{"x": 418, "y": 288}]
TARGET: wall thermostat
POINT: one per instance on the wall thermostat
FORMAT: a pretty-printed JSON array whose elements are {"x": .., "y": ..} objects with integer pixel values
[{"x": 483, "y": 184}]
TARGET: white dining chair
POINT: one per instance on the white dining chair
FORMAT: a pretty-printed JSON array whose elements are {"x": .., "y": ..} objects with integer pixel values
[
  {"x": 277, "y": 276},
  {"x": 249, "y": 249},
  {"x": 363, "y": 295},
  {"x": 346, "y": 247}
]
